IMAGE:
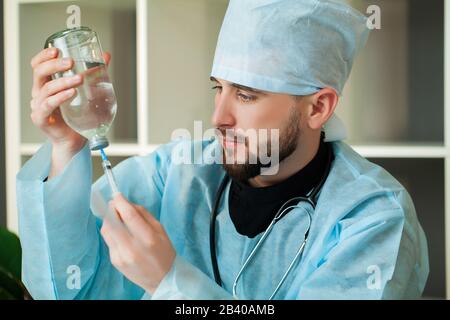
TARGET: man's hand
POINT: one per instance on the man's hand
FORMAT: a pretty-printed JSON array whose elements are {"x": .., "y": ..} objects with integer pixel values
[{"x": 138, "y": 244}]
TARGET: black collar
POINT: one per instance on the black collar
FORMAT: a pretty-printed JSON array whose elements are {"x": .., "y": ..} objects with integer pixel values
[{"x": 253, "y": 209}]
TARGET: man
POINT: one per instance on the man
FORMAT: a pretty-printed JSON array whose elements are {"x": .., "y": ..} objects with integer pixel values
[{"x": 278, "y": 65}]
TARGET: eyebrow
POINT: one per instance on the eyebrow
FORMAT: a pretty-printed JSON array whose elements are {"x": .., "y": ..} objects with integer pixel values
[{"x": 239, "y": 86}]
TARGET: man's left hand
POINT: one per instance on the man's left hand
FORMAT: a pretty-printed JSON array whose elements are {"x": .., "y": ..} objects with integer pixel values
[{"x": 138, "y": 244}]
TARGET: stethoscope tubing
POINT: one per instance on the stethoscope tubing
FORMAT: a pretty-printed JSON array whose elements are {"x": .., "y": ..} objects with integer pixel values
[{"x": 310, "y": 199}]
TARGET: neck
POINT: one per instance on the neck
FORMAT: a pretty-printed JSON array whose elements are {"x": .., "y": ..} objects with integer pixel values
[{"x": 307, "y": 148}]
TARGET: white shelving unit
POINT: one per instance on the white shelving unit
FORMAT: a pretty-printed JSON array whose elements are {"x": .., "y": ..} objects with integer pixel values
[{"x": 153, "y": 99}]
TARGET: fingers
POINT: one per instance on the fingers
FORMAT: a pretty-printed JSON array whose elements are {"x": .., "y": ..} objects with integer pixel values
[
  {"x": 44, "y": 70},
  {"x": 52, "y": 95},
  {"x": 42, "y": 110},
  {"x": 131, "y": 217},
  {"x": 58, "y": 85},
  {"x": 43, "y": 56},
  {"x": 107, "y": 234},
  {"x": 117, "y": 239},
  {"x": 141, "y": 224},
  {"x": 149, "y": 218},
  {"x": 114, "y": 233}
]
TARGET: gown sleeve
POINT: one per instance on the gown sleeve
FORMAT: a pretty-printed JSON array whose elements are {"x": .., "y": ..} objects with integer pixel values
[
  {"x": 382, "y": 255},
  {"x": 64, "y": 255},
  {"x": 186, "y": 282}
]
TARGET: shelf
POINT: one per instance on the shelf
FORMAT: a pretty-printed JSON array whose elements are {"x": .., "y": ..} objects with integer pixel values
[
  {"x": 126, "y": 150},
  {"x": 387, "y": 151},
  {"x": 402, "y": 151},
  {"x": 97, "y": 169}
]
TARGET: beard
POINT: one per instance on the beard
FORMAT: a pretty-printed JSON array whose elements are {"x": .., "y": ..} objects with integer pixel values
[{"x": 289, "y": 136}]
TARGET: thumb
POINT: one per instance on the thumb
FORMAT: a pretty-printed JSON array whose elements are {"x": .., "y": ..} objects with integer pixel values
[{"x": 107, "y": 57}]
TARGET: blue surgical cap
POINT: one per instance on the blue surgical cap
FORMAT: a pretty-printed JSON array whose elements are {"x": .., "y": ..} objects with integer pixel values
[{"x": 290, "y": 46}]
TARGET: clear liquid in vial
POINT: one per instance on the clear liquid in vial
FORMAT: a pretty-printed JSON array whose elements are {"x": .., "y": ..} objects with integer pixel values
[{"x": 92, "y": 110}]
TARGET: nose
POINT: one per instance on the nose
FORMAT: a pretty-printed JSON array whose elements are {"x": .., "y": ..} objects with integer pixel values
[{"x": 223, "y": 116}]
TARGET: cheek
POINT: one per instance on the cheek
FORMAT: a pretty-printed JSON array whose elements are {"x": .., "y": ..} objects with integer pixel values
[{"x": 264, "y": 115}]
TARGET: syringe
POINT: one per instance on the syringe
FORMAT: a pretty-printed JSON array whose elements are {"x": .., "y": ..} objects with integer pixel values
[{"x": 107, "y": 168}]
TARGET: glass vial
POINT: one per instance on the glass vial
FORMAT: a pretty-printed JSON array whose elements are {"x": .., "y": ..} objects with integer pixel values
[{"x": 92, "y": 110}]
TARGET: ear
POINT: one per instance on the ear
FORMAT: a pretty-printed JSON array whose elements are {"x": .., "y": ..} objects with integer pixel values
[{"x": 323, "y": 104}]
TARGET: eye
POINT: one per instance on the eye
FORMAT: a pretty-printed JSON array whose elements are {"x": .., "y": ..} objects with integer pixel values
[{"x": 245, "y": 98}]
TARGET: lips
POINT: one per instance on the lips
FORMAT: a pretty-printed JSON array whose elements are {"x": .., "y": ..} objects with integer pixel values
[{"x": 230, "y": 143}]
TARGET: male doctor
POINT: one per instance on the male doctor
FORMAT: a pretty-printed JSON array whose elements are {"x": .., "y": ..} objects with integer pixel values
[{"x": 279, "y": 64}]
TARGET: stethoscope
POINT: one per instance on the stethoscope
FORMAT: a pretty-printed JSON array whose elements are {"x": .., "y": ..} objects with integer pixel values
[{"x": 311, "y": 199}]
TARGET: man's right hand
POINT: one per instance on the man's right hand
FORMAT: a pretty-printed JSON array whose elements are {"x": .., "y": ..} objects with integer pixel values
[{"x": 47, "y": 96}]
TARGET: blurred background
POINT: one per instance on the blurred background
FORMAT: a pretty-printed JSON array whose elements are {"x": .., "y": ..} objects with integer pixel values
[{"x": 162, "y": 52}]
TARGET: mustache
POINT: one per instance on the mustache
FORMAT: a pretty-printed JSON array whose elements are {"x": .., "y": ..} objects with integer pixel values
[{"x": 230, "y": 135}]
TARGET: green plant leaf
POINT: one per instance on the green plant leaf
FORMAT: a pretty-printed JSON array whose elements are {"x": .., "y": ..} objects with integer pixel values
[{"x": 10, "y": 253}]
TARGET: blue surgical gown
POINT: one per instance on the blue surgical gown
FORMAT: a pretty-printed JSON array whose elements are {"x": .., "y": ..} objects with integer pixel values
[{"x": 365, "y": 240}]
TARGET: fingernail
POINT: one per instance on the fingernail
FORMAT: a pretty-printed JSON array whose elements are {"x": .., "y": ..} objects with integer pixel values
[
  {"x": 66, "y": 62},
  {"x": 52, "y": 52},
  {"x": 77, "y": 78}
]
